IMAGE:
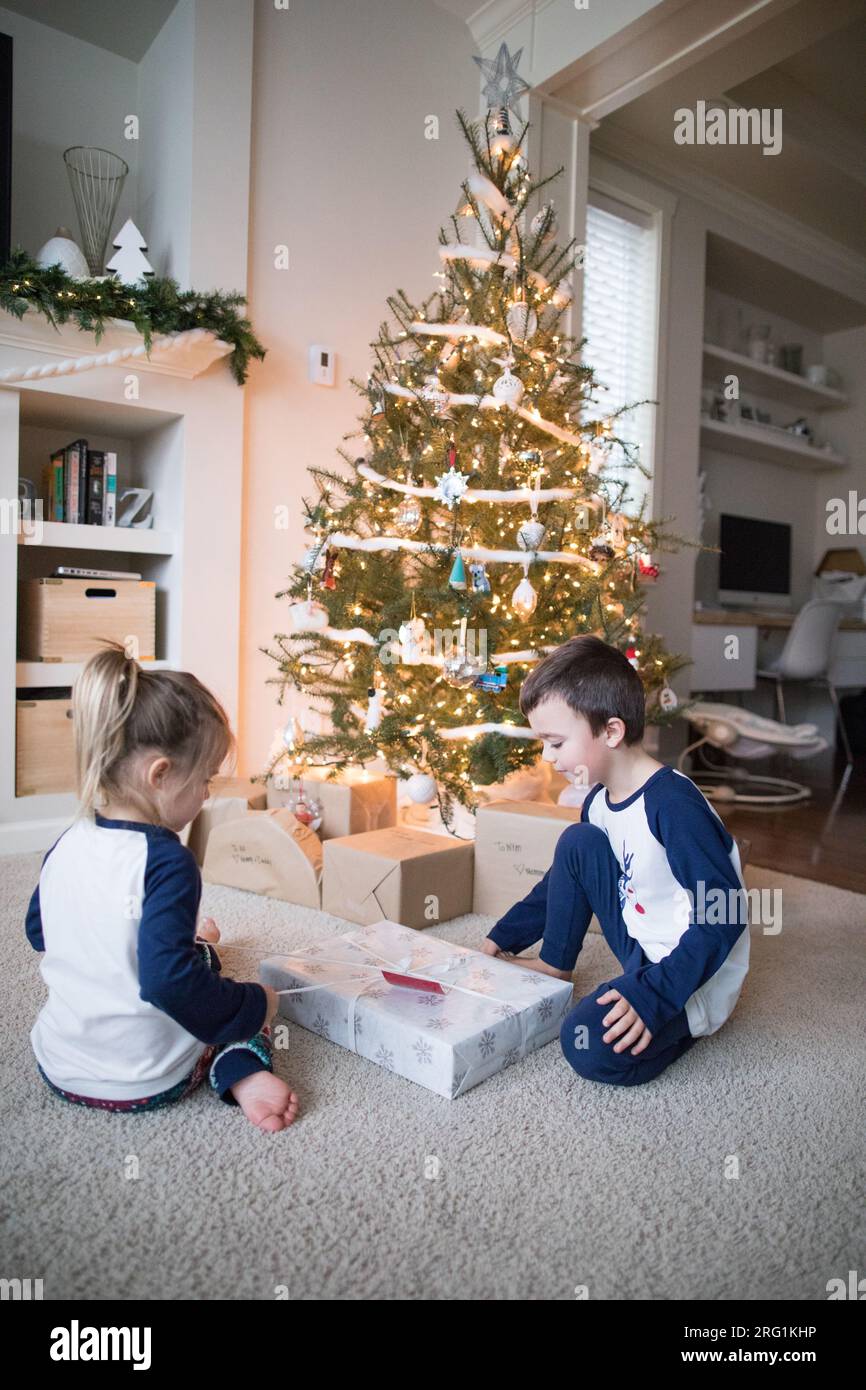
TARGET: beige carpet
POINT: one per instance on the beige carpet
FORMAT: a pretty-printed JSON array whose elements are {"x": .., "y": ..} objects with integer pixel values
[{"x": 546, "y": 1182}]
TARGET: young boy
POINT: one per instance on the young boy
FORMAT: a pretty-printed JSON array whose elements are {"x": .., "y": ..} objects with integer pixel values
[{"x": 650, "y": 857}]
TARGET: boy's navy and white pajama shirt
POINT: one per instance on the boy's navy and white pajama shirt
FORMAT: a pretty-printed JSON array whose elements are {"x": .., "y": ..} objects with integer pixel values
[
  {"x": 662, "y": 874},
  {"x": 138, "y": 1012}
]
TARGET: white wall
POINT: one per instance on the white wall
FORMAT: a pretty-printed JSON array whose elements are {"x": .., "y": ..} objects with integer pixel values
[
  {"x": 343, "y": 175},
  {"x": 64, "y": 92},
  {"x": 165, "y": 95}
]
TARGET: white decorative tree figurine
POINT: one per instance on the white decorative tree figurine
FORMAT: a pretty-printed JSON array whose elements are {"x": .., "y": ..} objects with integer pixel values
[{"x": 130, "y": 265}]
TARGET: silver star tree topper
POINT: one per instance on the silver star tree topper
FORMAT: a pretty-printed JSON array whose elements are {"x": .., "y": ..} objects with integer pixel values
[{"x": 503, "y": 87}]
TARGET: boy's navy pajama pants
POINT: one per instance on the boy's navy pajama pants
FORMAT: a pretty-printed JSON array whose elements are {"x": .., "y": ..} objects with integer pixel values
[{"x": 583, "y": 879}]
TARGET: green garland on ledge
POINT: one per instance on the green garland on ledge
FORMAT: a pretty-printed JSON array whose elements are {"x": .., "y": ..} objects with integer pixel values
[{"x": 154, "y": 305}]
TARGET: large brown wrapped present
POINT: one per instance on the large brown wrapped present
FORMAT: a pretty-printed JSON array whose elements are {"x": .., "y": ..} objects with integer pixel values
[{"x": 402, "y": 874}]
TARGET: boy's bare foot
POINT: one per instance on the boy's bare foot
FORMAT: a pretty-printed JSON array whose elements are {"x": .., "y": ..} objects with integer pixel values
[
  {"x": 267, "y": 1102},
  {"x": 208, "y": 930}
]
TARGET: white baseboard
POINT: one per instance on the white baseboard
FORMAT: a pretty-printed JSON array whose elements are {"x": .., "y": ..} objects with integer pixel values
[{"x": 27, "y": 836}]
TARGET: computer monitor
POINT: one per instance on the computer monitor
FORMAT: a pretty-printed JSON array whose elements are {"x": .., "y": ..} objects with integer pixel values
[{"x": 755, "y": 563}]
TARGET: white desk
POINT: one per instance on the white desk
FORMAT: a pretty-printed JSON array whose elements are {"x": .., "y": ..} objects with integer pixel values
[{"x": 726, "y": 655}]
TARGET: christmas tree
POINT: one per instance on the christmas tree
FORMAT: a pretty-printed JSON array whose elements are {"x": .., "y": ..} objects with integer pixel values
[{"x": 485, "y": 522}]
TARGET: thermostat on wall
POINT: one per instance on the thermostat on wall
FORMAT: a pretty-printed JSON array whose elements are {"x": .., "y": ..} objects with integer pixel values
[{"x": 322, "y": 366}]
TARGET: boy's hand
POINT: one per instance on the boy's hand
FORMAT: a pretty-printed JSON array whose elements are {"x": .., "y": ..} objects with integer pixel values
[{"x": 625, "y": 1022}]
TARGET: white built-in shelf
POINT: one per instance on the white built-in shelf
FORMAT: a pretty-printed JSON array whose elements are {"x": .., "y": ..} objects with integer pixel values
[
  {"x": 66, "y": 535},
  {"x": 768, "y": 446},
  {"x": 35, "y": 333},
  {"x": 773, "y": 381},
  {"x": 59, "y": 673}
]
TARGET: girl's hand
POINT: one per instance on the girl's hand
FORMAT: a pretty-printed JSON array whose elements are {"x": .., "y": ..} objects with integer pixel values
[
  {"x": 273, "y": 1005},
  {"x": 625, "y": 1022}
]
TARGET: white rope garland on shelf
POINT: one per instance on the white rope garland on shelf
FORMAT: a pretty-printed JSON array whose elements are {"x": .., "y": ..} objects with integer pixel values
[
  {"x": 70, "y": 366},
  {"x": 517, "y": 495},
  {"x": 475, "y": 552},
  {"x": 533, "y": 416}
]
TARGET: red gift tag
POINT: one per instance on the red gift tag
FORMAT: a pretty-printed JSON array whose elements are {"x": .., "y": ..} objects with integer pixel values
[{"x": 412, "y": 982}]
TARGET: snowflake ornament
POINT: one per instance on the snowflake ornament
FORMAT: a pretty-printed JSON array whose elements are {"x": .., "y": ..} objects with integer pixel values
[{"x": 451, "y": 486}]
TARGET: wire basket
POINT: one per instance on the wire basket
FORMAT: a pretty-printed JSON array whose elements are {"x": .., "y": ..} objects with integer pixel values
[{"x": 97, "y": 176}]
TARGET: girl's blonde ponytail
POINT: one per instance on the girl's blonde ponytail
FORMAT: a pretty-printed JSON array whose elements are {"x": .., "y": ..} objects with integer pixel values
[
  {"x": 119, "y": 709},
  {"x": 102, "y": 702}
]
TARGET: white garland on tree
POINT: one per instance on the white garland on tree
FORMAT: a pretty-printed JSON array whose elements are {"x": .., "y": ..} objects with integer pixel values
[
  {"x": 475, "y": 552},
  {"x": 533, "y": 416},
  {"x": 514, "y": 496}
]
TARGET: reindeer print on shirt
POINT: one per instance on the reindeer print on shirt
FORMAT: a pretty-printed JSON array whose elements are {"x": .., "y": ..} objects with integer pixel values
[{"x": 624, "y": 884}]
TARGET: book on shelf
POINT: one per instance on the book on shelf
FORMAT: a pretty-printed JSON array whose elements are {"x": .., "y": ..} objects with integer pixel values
[
  {"x": 52, "y": 487},
  {"x": 75, "y": 468},
  {"x": 109, "y": 495},
  {"x": 95, "y": 487},
  {"x": 79, "y": 485}
]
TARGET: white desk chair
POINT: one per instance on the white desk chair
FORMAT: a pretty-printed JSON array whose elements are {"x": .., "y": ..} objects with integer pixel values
[{"x": 806, "y": 657}]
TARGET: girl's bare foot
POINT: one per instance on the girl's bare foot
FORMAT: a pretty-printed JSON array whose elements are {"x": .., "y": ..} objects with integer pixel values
[
  {"x": 267, "y": 1102},
  {"x": 207, "y": 930},
  {"x": 489, "y": 948}
]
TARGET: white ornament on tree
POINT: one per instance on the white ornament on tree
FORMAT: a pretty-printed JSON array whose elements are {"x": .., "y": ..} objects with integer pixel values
[
  {"x": 434, "y": 392},
  {"x": 524, "y": 598},
  {"x": 544, "y": 224},
  {"x": 421, "y": 788},
  {"x": 129, "y": 265},
  {"x": 415, "y": 641},
  {"x": 522, "y": 321},
  {"x": 308, "y": 616},
  {"x": 508, "y": 388},
  {"x": 531, "y": 534},
  {"x": 451, "y": 486},
  {"x": 374, "y": 709}
]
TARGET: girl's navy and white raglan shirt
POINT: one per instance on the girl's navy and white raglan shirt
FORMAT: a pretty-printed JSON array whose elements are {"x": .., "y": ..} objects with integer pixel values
[
  {"x": 132, "y": 1003},
  {"x": 682, "y": 897}
]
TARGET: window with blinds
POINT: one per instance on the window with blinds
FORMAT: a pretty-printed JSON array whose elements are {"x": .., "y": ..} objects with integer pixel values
[{"x": 620, "y": 323}]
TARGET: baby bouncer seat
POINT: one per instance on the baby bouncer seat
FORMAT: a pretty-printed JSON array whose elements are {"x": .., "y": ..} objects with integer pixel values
[{"x": 742, "y": 734}]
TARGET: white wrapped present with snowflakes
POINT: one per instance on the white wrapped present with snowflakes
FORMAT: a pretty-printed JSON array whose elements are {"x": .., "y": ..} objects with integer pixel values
[{"x": 444, "y": 1016}]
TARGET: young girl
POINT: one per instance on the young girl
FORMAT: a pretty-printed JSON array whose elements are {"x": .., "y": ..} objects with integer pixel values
[{"x": 138, "y": 1012}]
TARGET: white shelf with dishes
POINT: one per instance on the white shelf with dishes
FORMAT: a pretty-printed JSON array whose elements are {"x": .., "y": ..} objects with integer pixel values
[
  {"x": 768, "y": 445},
  {"x": 765, "y": 380}
]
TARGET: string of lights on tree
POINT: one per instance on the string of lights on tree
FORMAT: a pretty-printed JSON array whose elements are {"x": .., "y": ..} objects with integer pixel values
[{"x": 486, "y": 519}]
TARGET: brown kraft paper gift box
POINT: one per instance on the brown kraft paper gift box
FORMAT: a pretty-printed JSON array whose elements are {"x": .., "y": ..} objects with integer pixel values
[
  {"x": 514, "y": 845},
  {"x": 353, "y": 802},
  {"x": 393, "y": 874},
  {"x": 230, "y": 799},
  {"x": 267, "y": 852}
]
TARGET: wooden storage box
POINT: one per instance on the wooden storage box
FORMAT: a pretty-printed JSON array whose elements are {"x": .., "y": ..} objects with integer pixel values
[
  {"x": 64, "y": 619},
  {"x": 44, "y": 746}
]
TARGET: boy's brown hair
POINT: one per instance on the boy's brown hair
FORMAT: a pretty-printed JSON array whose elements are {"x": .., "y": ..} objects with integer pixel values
[{"x": 595, "y": 680}]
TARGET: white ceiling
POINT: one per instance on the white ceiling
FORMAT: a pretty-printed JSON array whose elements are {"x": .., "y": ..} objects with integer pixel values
[
  {"x": 810, "y": 64},
  {"x": 126, "y": 27}
]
